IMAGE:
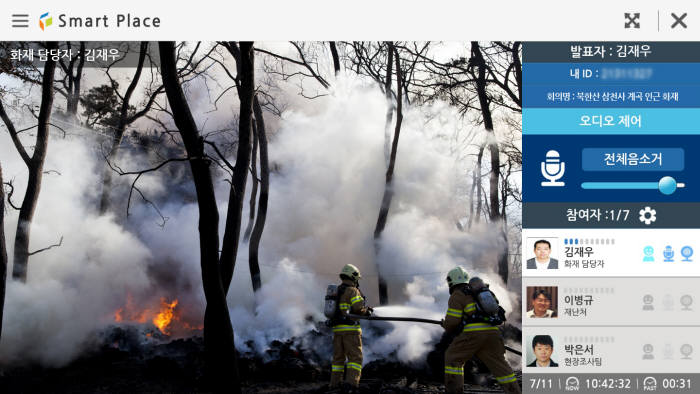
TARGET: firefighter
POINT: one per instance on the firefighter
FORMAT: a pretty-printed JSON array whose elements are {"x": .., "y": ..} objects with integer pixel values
[
  {"x": 477, "y": 337},
  {"x": 347, "y": 334}
]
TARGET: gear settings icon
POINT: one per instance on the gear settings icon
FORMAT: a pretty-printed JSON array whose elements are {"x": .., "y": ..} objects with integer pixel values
[{"x": 647, "y": 215}]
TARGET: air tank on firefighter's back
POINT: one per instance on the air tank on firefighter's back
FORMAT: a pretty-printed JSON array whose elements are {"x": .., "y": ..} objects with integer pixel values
[
  {"x": 485, "y": 298},
  {"x": 331, "y": 301}
]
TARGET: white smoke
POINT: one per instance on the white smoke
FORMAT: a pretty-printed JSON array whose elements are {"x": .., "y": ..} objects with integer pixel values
[
  {"x": 72, "y": 289},
  {"x": 284, "y": 302},
  {"x": 324, "y": 203},
  {"x": 408, "y": 341}
]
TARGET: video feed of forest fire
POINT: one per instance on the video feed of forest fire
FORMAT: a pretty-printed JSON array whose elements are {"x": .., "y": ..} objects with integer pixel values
[{"x": 260, "y": 217}]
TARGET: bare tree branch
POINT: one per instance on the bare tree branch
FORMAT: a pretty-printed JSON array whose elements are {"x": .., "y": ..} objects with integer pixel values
[
  {"x": 155, "y": 207},
  {"x": 218, "y": 152},
  {"x": 138, "y": 174},
  {"x": 301, "y": 62},
  {"x": 9, "y": 195},
  {"x": 60, "y": 242},
  {"x": 13, "y": 134}
]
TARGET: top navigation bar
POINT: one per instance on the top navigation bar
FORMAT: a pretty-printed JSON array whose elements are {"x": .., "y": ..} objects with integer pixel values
[{"x": 446, "y": 20}]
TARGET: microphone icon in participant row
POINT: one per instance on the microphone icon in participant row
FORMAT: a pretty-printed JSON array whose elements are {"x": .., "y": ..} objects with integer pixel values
[
  {"x": 668, "y": 253},
  {"x": 552, "y": 169}
]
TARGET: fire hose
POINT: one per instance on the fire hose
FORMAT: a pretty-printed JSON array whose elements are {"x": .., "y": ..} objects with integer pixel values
[{"x": 418, "y": 320}]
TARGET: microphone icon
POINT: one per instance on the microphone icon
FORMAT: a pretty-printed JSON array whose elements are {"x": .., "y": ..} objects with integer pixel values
[{"x": 552, "y": 169}]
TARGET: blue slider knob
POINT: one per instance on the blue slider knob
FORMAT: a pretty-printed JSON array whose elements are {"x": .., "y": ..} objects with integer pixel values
[{"x": 668, "y": 185}]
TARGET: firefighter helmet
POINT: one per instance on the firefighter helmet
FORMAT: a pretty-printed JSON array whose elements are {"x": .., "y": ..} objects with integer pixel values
[
  {"x": 456, "y": 276},
  {"x": 351, "y": 272}
]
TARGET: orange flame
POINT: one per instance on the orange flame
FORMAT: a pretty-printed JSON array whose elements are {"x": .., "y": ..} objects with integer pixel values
[
  {"x": 130, "y": 312},
  {"x": 192, "y": 327},
  {"x": 165, "y": 316},
  {"x": 118, "y": 315}
]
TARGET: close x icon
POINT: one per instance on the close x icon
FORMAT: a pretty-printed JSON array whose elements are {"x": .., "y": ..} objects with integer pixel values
[{"x": 678, "y": 20}]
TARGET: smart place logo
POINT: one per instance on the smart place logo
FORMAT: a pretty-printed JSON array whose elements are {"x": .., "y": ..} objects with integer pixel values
[
  {"x": 45, "y": 20},
  {"x": 102, "y": 21}
]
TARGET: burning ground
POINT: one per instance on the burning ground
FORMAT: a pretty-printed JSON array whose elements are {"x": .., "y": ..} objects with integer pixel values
[
  {"x": 141, "y": 358},
  {"x": 153, "y": 348}
]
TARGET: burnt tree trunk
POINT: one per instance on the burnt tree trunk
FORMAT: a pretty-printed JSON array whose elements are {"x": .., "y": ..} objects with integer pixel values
[
  {"x": 245, "y": 92},
  {"x": 504, "y": 192},
  {"x": 74, "y": 81},
  {"x": 389, "y": 176},
  {"x": 518, "y": 69},
  {"x": 479, "y": 184},
  {"x": 3, "y": 251},
  {"x": 240, "y": 170},
  {"x": 254, "y": 186},
  {"x": 475, "y": 193},
  {"x": 124, "y": 121},
  {"x": 253, "y": 257},
  {"x": 35, "y": 165},
  {"x": 389, "y": 101},
  {"x": 381, "y": 281},
  {"x": 494, "y": 213},
  {"x": 470, "y": 214},
  {"x": 220, "y": 352},
  {"x": 336, "y": 58}
]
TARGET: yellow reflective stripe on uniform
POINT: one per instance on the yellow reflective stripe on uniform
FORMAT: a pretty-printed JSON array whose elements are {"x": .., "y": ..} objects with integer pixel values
[
  {"x": 479, "y": 327},
  {"x": 355, "y": 366},
  {"x": 344, "y": 327},
  {"x": 454, "y": 312},
  {"x": 355, "y": 300},
  {"x": 344, "y": 306},
  {"x": 337, "y": 368},
  {"x": 454, "y": 370},
  {"x": 470, "y": 307},
  {"x": 506, "y": 379}
]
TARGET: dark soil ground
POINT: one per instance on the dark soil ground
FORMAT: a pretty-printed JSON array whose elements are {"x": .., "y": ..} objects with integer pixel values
[{"x": 125, "y": 364}]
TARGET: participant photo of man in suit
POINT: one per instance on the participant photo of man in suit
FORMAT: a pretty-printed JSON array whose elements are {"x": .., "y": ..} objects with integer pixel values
[{"x": 542, "y": 261}]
